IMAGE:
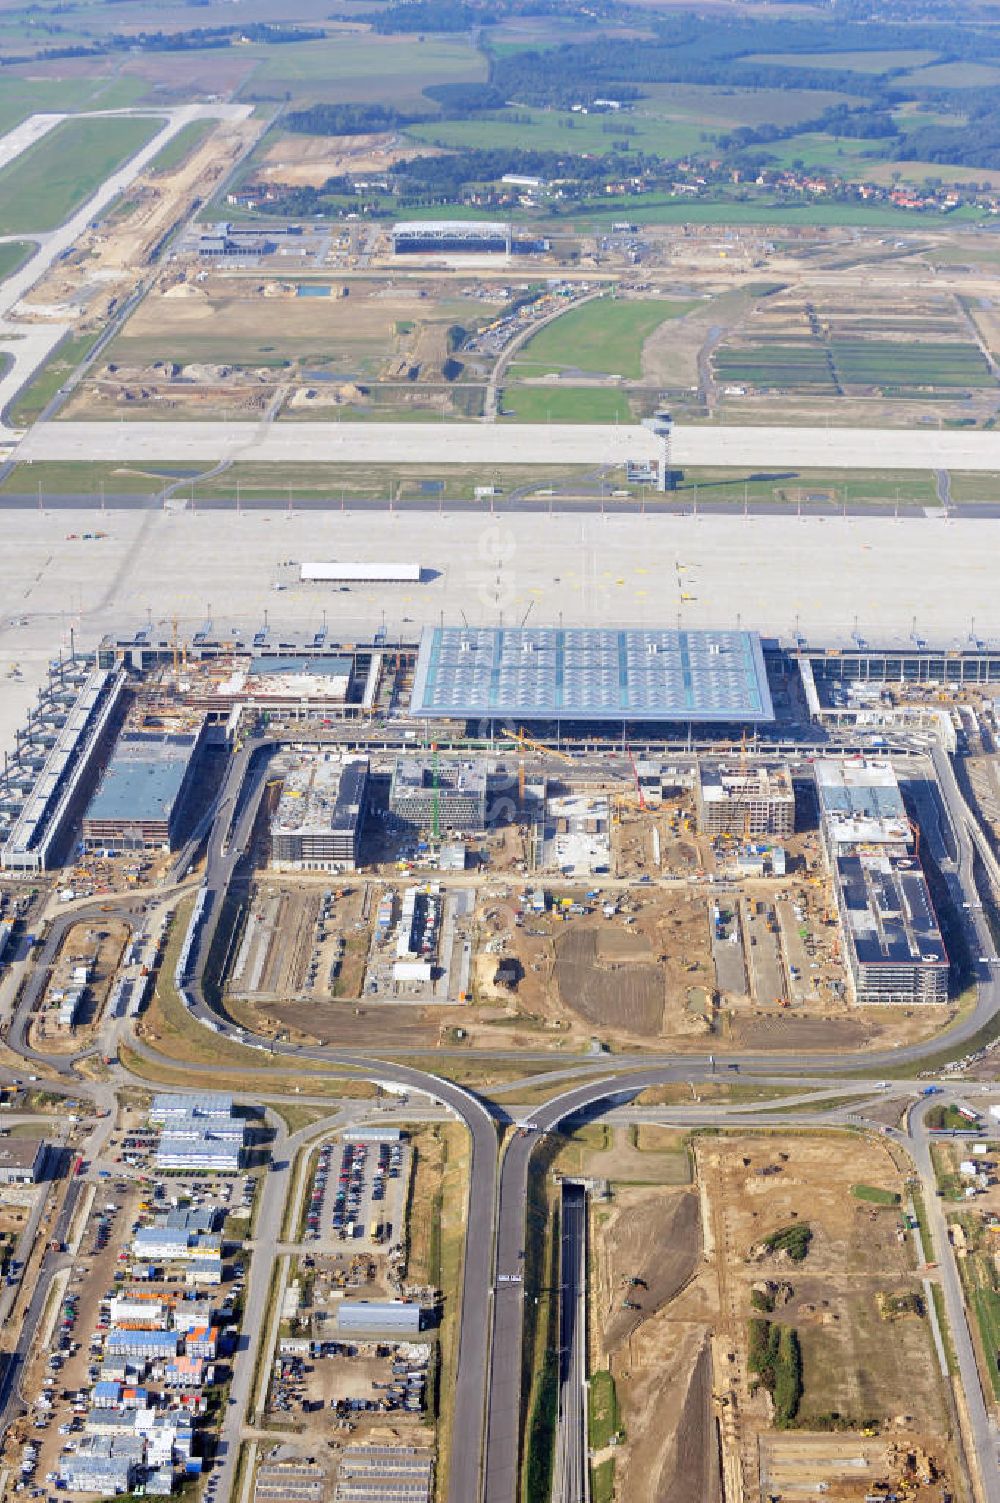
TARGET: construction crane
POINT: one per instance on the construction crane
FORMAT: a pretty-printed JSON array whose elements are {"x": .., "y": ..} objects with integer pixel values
[
  {"x": 635, "y": 774},
  {"x": 524, "y": 741}
]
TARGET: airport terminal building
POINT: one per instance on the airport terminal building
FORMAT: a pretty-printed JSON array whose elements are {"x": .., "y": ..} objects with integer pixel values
[
  {"x": 591, "y": 675},
  {"x": 140, "y": 801}
]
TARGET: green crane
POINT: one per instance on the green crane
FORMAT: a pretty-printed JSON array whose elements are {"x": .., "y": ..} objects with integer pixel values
[{"x": 436, "y": 796}]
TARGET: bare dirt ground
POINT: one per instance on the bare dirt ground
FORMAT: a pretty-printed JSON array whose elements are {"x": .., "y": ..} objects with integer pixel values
[
  {"x": 623, "y": 994},
  {"x": 678, "y": 1456},
  {"x": 680, "y": 1360},
  {"x": 307, "y": 161},
  {"x": 657, "y": 1241}
]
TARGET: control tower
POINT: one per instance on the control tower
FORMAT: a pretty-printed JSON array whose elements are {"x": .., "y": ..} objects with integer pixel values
[{"x": 662, "y": 425}]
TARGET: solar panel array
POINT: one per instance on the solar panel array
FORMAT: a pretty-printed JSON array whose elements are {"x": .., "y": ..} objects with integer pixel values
[{"x": 584, "y": 673}]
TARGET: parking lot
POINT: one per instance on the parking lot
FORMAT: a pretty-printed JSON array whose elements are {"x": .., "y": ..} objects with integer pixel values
[{"x": 358, "y": 1194}]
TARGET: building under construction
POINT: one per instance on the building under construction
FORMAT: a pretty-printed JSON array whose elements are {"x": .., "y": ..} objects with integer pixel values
[
  {"x": 142, "y": 796},
  {"x": 895, "y": 950},
  {"x": 861, "y": 808},
  {"x": 745, "y": 801},
  {"x": 318, "y": 822},
  {"x": 428, "y": 795}
]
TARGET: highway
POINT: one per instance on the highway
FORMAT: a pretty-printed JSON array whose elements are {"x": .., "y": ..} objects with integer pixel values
[
  {"x": 982, "y": 1426},
  {"x": 572, "y": 1465},
  {"x": 488, "y": 1381}
]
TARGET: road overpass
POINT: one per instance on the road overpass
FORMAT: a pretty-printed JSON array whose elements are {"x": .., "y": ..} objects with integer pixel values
[{"x": 765, "y": 449}]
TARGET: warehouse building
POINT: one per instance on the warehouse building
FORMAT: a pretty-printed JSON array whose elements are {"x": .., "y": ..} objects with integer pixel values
[
  {"x": 451, "y": 794},
  {"x": 141, "y": 799},
  {"x": 895, "y": 950},
  {"x": 861, "y": 807},
  {"x": 377, "y": 1316},
  {"x": 745, "y": 802},
  {"x": 318, "y": 823},
  {"x": 591, "y": 675},
  {"x": 22, "y": 1160},
  {"x": 168, "y": 1104}
]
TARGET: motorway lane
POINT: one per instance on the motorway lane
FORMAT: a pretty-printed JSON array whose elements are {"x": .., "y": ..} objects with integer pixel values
[
  {"x": 479, "y": 1299},
  {"x": 981, "y": 1423},
  {"x": 572, "y": 1460}
]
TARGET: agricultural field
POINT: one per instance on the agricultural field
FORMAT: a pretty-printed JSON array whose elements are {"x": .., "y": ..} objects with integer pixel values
[
  {"x": 810, "y": 344},
  {"x": 41, "y": 188},
  {"x": 357, "y": 66},
  {"x": 853, "y": 62}
]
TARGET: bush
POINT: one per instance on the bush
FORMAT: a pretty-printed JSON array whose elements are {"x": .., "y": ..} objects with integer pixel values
[{"x": 793, "y": 1240}]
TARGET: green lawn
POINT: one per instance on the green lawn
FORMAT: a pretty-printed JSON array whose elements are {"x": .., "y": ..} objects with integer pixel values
[
  {"x": 602, "y": 337},
  {"x": 876, "y": 1196},
  {"x": 12, "y": 255},
  {"x": 40, "y": 189},
  {"x": 604, "y": 1421},
  {"x": 567, "y": 404},
  {"x": 366, "y": 67},
  {"x": 181, "y": 146},
  {"x": 755, "y": 208}
]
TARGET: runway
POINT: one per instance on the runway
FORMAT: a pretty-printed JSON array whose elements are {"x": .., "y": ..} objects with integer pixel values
[{"x": 768, "y": 450}]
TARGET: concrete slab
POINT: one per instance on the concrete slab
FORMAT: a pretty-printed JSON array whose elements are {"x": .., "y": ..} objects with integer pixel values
[
  {"x": 769, "y": 573},
  {"x": 765, "y": 449}
]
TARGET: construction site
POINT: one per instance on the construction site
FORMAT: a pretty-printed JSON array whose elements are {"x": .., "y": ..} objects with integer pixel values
[{"x": 806, "y": 1237}]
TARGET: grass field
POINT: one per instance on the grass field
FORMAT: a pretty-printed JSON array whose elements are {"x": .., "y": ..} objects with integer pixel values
[
  {"x": 567, "y": 404},
  {"x": 558, "y": 130},
  {"x": 21, "y": 97},
  {"x": 848, "y": 156},
  {"x": 12, "y": 255},
  {"x": 878, "y": 487},
  {"x": 41, "y": 188},
  {"x": 963, "y": 75},
  {"x": 181, "y": 146},
  {"x": 390, "y": 70},
  {"x": 758, "y": 209},
  {"x": 602, "y": 337},
  {"x": 63, "y": 360},
  {"x": 853, "y": 62}
]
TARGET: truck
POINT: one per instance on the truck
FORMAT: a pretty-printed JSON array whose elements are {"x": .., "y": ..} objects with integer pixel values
[{"x": 931, "y": 1090}]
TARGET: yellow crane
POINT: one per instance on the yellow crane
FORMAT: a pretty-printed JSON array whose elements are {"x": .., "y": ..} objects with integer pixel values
[{"x": 525, "y": 742}]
